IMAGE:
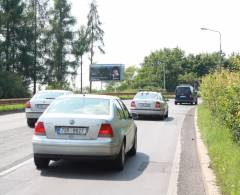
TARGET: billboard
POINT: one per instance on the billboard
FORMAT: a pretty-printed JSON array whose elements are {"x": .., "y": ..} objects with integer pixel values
[{"x": 106, "y": 72}]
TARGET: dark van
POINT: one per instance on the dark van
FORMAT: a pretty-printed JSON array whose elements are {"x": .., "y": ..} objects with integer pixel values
[{"x": 186, "y": 94}]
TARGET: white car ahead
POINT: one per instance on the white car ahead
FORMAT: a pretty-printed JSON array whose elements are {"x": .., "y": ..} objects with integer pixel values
[
  {"x": 84, "y": 126},
  {"x": 39, "y": 102}
]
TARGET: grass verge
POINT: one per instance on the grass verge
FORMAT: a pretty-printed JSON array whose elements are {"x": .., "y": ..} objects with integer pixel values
[
  {"x": 223, "y": 152},
  {"x": 5, "y": 108}
]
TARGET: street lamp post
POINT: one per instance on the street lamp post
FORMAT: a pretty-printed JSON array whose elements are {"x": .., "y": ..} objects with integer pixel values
[
  {"x": 164, "y": 79},
  {"x": 220, "y": 40}
]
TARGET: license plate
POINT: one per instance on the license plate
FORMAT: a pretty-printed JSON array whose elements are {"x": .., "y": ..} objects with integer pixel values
[
  {"x": 145, "y": 105},
  {"x": 42, "y": 106},
  {"x": 182, "y": 96},
  {"x": 71, "y": 130}
]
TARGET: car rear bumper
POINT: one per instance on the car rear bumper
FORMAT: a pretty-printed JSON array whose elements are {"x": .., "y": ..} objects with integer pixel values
[
  {"x": 184, "y": 101},
  {"x": 54, "y": 148},
  {"x": 33, "y": 115},
  {"x": 147, "y": 112}
]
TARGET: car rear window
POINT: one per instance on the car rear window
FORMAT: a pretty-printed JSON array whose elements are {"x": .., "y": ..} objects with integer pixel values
[
  {"x": 94, "y": 106},
  {"x": 146, "y": 96},
  {"x": 47, "y": 95},
  {"x": 183, "y": 90}
]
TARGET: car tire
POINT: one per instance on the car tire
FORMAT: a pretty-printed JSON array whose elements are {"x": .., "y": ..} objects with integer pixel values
[
  {"x": 166, "y": 116},
  {"x": 31, "y": 122},
  {"x": 135, "y": 116},
  {"x": 196, "y": 102},
  {"x": 120, "y": 161},
  {"x": 133, "y": 150},
  {"x": 175, "y": 103},
  {"x": 41, "y": 163},
  {"x": 162, "y": 117}
]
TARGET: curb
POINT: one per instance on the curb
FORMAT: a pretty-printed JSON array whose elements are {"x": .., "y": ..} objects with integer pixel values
[{"x": 209, "y": 178}]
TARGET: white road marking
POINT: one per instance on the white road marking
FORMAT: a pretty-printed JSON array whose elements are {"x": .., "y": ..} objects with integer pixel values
[{"x": 5, "y": 172}]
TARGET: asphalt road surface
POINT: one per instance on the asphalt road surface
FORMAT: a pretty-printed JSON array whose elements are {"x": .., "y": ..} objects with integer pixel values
[{"x": 160, "y": 167}]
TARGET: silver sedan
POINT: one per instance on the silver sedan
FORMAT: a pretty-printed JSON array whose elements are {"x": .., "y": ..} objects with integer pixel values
[
  {"x": 79, "y": 126},
  {"x": 149, "y": 103},
  {"x": 39, "y": 102}
]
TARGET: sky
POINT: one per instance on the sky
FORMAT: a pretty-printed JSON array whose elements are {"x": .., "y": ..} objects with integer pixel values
[{"x": 135, "y": 28}]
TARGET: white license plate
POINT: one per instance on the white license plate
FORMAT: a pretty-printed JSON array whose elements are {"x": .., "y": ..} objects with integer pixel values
[
  {"x": 42, "y": 106},
  {"x": 145, "y": 105},
  {"x": 71, "y": 130}
]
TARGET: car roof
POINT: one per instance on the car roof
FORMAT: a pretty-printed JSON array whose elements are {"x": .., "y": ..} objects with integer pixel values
[
  {"x": 184, "y": 85},
  {"x": 89, "y": 96}
]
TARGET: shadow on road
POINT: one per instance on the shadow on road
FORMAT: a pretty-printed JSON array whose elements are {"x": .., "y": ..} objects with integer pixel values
[
  {"x": 154, "y": 118},
  {"x": 98, "y": 170}
]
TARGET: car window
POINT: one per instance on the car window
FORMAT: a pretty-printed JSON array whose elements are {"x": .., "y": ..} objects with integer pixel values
[
  {"x": 183, "y": 91},
  {"x": 120, "y": 112},
  {"x": 95, "y": 106},
  {"x": 125, "y": 110},
  {"x": 47, "y": 95},
  {"x": 146, "y": 95}
]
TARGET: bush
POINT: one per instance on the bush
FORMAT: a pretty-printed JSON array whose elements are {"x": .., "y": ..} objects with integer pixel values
[
  {"x": 221, "y": 91},
  {"x": 12, "y": 86}
]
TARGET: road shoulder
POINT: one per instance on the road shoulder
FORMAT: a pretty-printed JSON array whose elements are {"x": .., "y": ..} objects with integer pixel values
[{"x": 209, "y": 179}]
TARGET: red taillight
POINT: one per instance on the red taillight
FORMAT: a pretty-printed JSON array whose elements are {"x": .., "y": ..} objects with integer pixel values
[
  {"x": 105, "y": 131},
  {"x": 133, "y": 104},
  {"x": 28, "y": 105},
  {"x": 39, "y": 129},
  {"x": 157, "y": 105}
]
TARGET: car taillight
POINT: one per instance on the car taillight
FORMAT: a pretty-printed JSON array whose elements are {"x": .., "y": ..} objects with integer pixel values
[
  {"x": 105, "y": 131},
  {"x": 28, "y": 105},
  {"x": 157, "y": 105},
  {"x": 133, "y": 104},
  {"x": 39, "y": 129}
]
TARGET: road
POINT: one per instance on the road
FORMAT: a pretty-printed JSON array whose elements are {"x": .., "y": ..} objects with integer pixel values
[{"x": 155, "y": 170}]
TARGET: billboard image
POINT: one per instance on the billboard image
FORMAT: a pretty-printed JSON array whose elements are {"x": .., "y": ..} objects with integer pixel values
[{"x": 106, "y": 72}]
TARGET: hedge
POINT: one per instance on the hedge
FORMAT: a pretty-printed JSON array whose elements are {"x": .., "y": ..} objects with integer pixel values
[{"x": 221, "y": 91}]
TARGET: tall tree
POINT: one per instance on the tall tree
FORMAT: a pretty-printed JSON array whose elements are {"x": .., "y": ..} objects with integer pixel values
[
  {"x": 60, "y": 38},
  {"x": 11, "y": 29},
  {"x": 38, "y": 16},
  {"x": 80, "y": 47},
  {"x": 95, "y": 32}
]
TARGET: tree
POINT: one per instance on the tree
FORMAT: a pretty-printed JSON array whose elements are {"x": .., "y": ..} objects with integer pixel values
[
  {"x": 11, "y": 29},
  {"x": 80, "y": 47},
  {"x": 59, "y": 38},
  {"x": 95, "y": 32},
  {"x": 37, "y": 14}
]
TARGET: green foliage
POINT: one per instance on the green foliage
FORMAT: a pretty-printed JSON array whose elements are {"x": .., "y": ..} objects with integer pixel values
[
  {"x": 80, "y": 47},
  {"x": 5, "y": 108},
  {"x": 12, "y": 86},
  {"x": 224, "y": 153},
  {"x": 94, "y": 30},
  {"x": 221, "y": 92},
  {"x": 59, "y": 38}
]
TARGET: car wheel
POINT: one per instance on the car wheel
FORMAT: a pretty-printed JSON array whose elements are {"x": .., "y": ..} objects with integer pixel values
[
  {"x": 120, "y": 161},
  {"x": 162, "y": 117},
  {"x": 134, "y": 116},
  {"x": 31, "y": 122},
  {"x": 133, "y": 150},
  {"x": 175, "y": 103},
  {"x": 166, "y": 116},
  {"x": 41, "y": 163},
  {"x": 196, "y": 103}
]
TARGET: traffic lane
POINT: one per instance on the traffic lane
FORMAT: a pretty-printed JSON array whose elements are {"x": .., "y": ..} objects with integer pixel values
[
  {"x": 12, "y": 121},
  {"x": 15, "y": 140},
  {"x": 146, "y": 173}
]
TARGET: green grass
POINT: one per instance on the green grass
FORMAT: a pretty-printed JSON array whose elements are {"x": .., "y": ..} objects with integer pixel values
[
  {"x": 4, "y": 108},
  {"x": 223, "y": 152}
]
